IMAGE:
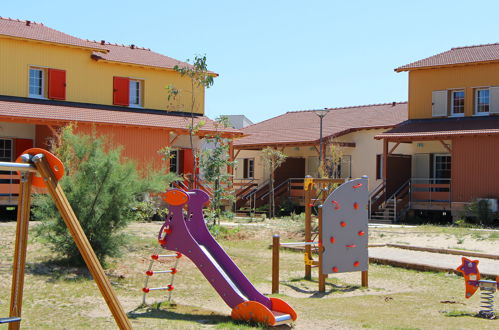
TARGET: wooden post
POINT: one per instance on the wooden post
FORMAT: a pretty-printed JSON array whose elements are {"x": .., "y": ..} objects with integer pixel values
[
  {"x": 365, "y": 278},
  {"x": 275, "y": 263},
  {"x": 322, "y": 276},
  {"x": 308, "y": 229},
  {"x": 385, "y": 160},
  {"x": 23, "y": 212},
  {"x": 82, "y": 242}
]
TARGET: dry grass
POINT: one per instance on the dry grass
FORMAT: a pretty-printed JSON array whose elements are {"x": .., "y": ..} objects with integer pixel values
[{"x": 60, "y": 298}]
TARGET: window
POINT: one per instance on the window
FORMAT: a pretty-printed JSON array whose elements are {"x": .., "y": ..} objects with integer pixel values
[
  {"x": 457, "y": 103},
  {"x": 249, "y": 168},
  {"x": 174, "y": 158},
  {"x": 135, "y": 93},
  {"x": 345, "y": 166},
  {"x": 36, "y": 82},
  {"x": 482, "y": 101},
  {"x": 5, "y": 150},
  {"x": 379, "y": 167}
]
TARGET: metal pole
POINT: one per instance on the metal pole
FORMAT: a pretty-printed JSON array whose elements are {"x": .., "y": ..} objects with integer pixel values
[
  {"x": 320, "y": 142},
  {"x": 275, "y": 263}
]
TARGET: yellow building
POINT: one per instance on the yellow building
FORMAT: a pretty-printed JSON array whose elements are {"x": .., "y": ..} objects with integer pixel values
[
  {"x": 49, "y": 79},
  {"x": 454, "y": 127}
]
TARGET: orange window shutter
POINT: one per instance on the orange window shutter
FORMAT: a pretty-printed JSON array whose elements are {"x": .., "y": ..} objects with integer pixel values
[
  {"x": 57, "y": 84},
  {"x": 188, "y": 161},
  {"x": 121, "y": 91}
]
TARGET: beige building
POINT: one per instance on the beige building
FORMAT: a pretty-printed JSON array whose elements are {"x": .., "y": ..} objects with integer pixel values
[{"x": 350, "y": 131}]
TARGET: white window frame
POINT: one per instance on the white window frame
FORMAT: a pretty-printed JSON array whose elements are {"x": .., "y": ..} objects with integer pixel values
[
  {"x": 452, "y": 114},
  {"x": 483, "y": 113},
  {"x": 43, "y": 82},
  {"x": 140, "y": 89},
  {"x": 11, "y": 150}
]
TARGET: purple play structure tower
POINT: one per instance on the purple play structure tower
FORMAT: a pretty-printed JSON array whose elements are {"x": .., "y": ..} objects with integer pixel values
[{"x": 185, "y": 231}]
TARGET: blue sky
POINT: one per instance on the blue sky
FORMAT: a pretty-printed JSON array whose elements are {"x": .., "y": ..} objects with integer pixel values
[{"x": 277, "y": 56}]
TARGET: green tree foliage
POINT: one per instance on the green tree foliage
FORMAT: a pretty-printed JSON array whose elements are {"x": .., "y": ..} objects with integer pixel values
[
  {"x": 200, "y": 77},
  {"x": 272, "y": 158},
  {"x": 102, "y": 191},
  {"x": 214, "y": 162}
]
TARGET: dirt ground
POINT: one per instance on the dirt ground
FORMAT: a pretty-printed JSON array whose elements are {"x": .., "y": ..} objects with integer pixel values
[{"x": 58, "y": 297}]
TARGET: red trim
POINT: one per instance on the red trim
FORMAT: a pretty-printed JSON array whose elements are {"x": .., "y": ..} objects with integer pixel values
[
  {"x": 57, "y": 84},
  {"x": 121, "y": 91},
  {"x": 20, "y": 145}
]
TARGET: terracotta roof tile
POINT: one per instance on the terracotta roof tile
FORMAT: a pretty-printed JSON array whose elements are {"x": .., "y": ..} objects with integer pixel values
[
  {"x": 458, "y": 55},
  {"x": 38, "y": 31},
  {"x": 139, "y": 56},
  {"x": 303, "y": 126},
  {"x": 47, "y": 112},
  {"x": 424, "y": 128}
]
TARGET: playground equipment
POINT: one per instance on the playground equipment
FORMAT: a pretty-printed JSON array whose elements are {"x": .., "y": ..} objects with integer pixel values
[
  {"x": 472, "y": 281},
  {"x": 155, "y": 258},
  {"x": 40, "y": 168},
  {"x": 342, "y": 231},
  {"x": 187, "y": 233}
]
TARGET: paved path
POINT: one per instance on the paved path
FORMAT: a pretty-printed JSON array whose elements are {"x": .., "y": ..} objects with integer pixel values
[{"x": 429, "y": 260}]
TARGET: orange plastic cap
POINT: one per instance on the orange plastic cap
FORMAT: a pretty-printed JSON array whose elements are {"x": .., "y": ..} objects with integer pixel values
[{"x": 175, "y": 197}]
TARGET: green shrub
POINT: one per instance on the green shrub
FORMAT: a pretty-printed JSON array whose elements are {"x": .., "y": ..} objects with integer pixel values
[
  {"x": 102, "y": 190},
  {"x": 479, "y": 212}
]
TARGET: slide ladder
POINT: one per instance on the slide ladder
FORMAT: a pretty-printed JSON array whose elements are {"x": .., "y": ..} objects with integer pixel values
[
  {"x": 185, "y": 231},
  {"x": 158, "y": 258}
]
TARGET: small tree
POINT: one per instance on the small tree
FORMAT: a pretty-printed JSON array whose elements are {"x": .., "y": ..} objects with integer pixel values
[
  {"x": 272, "y": 158},
  {"x": 199, "y": 77},
  {"x": 331, "y": 166},
  {"x": 102, "y": 191},
  {"x": 214, "y": 163}
]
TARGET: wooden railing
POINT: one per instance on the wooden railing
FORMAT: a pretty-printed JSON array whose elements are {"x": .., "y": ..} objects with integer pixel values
[{"x": 430, "y": 191}]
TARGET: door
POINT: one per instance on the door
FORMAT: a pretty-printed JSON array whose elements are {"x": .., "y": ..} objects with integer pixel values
[
  {"x": 398, "y": 172},
  {"x": 292, "y": 167}
]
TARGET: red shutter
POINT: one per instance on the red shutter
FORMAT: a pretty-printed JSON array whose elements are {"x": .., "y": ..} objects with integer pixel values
[
  {"x": 57, "y": 84},
  {"x": 188, "y": 161},
  {"x": 121, "y": 91},
  {"x": 21, "y": 145}
]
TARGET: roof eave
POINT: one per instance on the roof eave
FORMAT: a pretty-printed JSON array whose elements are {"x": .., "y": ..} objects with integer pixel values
[
  {"x": 96, "y": 49},
  {"x": 402, "y": 68}
]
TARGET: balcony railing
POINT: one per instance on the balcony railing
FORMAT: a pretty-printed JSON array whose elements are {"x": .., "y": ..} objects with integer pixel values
[{"x": 430, "y": 190}]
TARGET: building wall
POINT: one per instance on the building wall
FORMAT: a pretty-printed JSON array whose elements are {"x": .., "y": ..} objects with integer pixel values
[
  {"x": 16, "y": 130},
  {"x": 87, "y": 80},
  {"x": 475, "y": 168},
  {"x": 423, "y": 82}
]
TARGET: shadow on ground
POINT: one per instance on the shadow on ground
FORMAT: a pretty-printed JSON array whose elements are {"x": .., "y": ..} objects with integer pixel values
[{"x": 331, "y": 288}]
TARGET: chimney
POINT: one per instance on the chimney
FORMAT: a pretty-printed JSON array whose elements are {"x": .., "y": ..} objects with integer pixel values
[
  {"x": 394, "y": 103},
  {"x": 132, "y": 46},
  {"x": 28, "y": 23},
  {"x": 103, "y": 42}
]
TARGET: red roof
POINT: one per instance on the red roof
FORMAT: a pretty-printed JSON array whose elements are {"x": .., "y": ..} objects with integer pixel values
[
  {"x": 107, "y": 51},
  {"x": 303, "y": 126},
  {"x": 137, "y": 55},
  {"x": 31, "y": 112},
  {"x": 38, "y": 31},
  {"x": 435, "y": 129},
  {"x": 458, "y": 55}
]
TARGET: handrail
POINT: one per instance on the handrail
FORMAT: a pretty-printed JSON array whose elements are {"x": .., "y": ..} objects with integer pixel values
[
  {"x": 377, "y": 189},
  {"x": 288, "y": 181},
  {"x": 245, "y": 187},
  {"x": 254, "y": 191}
]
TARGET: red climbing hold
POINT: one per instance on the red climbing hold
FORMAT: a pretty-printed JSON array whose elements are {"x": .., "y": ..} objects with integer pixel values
[
  {"x": 170, "y": 287},
  {"x": 162, "y": 241},
  {"x": 149, "y": 273},
  {"x": 332, "y": 240},
  {"x": 343, "y": 224},
  {"x": 179, "y": 255},
  {"x": 351, "y": 246},
  {"x": 335, "y": 269},
  {"x": 357, "y": 186},
  {"x": 356, "y": 205},
  {"x": 174, "y": 270},
  {"x": 361, "y": 233},
  {"x": 336, "y": 205},
  {"x": 356, "y": 264},
  {"x": 167, "y": 230},
  {"x": 145, "y": 290},
  {"x": 154, "y": 257}
]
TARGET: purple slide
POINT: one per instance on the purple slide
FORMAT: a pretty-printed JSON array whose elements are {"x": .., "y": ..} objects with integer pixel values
[{"x": 186, "y": 232}]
